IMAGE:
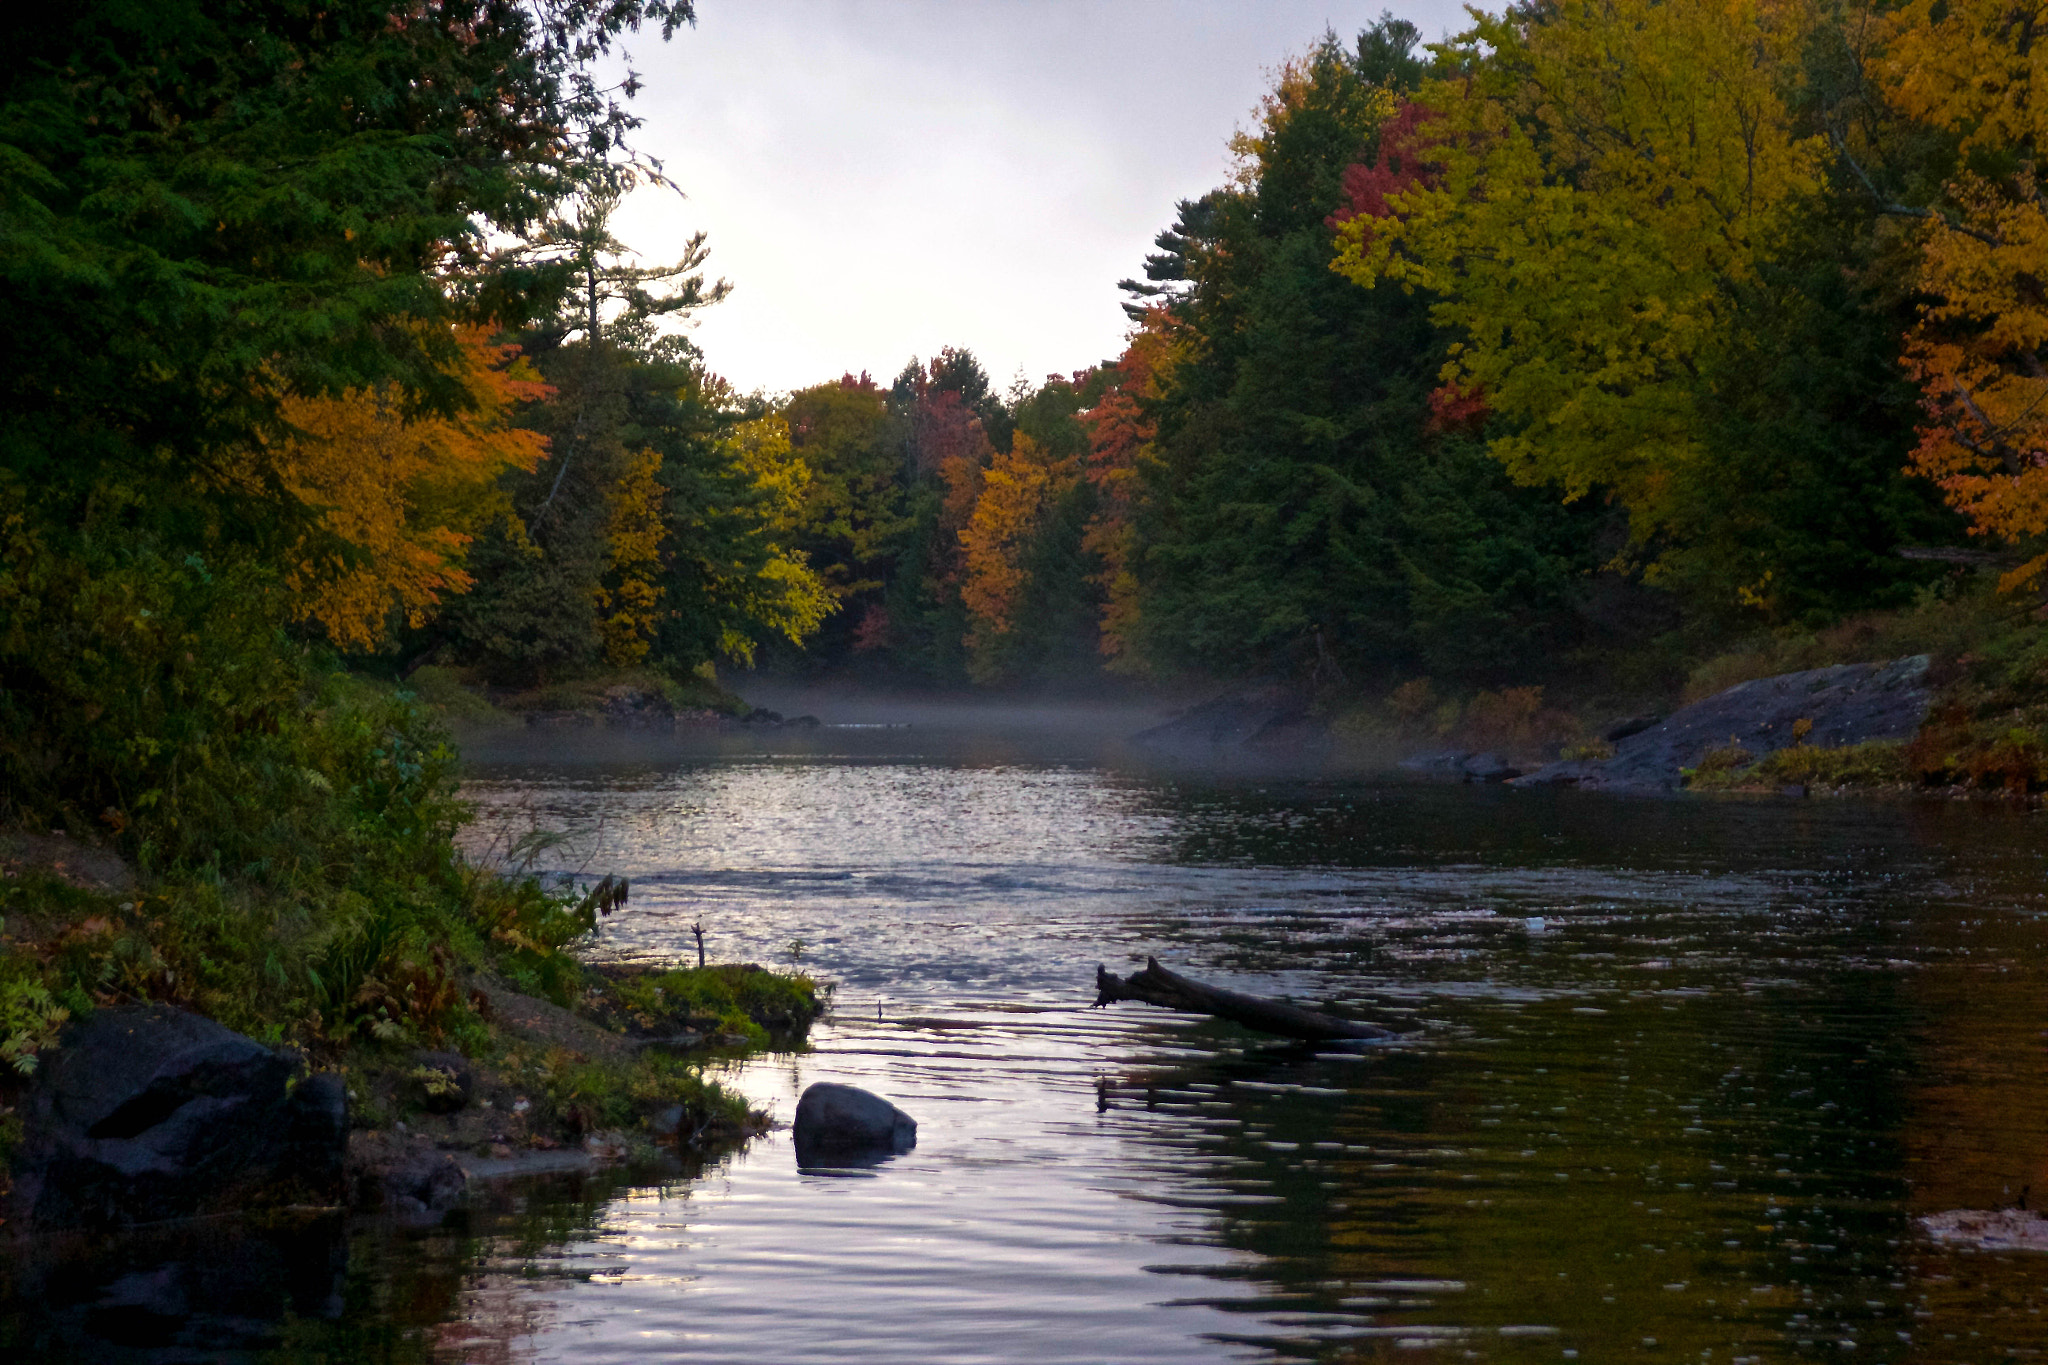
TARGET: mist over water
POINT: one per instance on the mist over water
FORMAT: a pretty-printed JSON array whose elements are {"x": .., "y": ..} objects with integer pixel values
[{"x": 1678, "y": 1075}]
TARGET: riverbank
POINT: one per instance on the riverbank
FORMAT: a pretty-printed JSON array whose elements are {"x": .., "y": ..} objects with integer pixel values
[
  {"x": 443, "y": 998},
  {"x": 1981, "y": 729}
]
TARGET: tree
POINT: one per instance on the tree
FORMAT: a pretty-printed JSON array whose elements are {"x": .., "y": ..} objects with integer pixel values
[
  {"x": 1966, "y": 67},
  {"x": 1292, "y": 505},
  {"x": 1585, "y": 184},
  {"x": 399, "y": 500}
]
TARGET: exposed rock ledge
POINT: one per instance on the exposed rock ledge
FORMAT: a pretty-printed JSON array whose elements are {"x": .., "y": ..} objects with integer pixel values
[{"x": 1846, "y": 704}]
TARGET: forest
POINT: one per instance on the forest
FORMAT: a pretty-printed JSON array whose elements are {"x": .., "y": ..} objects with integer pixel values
[{"x": 1571, "y": 352}]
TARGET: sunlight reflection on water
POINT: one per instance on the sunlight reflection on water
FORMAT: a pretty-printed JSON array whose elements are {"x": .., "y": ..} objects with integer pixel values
[{"x": 1750, "y": 1040}]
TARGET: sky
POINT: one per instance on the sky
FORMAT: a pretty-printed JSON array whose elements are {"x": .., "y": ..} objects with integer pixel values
[{"x": 882, "y": 178}]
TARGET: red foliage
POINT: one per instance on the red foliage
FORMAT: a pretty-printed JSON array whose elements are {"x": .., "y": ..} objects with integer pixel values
[
  {"x": 873, "y": 631},
  {"x": 1406, "y": 159},
  {"x": 1454, "y": 409}
]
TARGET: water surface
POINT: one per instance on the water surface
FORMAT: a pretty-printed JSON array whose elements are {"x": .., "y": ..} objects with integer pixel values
[{"x": 1678, "y": 1075}]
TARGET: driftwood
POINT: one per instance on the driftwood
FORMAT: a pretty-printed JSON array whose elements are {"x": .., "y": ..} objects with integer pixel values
[{"x": 1157, "y": 986}]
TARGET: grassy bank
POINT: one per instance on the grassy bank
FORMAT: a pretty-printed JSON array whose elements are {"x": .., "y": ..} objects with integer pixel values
[{"x": 330, "y": 913}]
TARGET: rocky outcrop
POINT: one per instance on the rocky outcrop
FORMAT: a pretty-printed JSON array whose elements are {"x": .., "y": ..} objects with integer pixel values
[
  {"x": 146, "y": 1113},
  {"x": 836, "y": 1122},
  {"x": 1270, "y": 719},
  {"x": 1843, "y": 705}
]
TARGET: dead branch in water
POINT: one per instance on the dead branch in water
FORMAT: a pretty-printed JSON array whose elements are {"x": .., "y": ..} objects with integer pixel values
[{"x": 1170, "y": 990}]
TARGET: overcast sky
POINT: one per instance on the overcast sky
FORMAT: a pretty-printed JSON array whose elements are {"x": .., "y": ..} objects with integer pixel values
[{"x": 880, "y": 178}]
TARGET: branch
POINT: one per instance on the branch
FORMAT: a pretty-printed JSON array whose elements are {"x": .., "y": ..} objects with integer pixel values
[
  {"x": 1893, "y": 208},
  {"x": 1169, "y": 990}
]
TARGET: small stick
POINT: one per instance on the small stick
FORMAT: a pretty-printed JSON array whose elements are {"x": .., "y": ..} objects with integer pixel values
[{"x": 698, "y": 930}]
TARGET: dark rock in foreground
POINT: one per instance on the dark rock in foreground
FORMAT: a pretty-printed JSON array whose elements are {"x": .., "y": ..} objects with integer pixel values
[
  {"x": 1846, "y": 704},
  {"x": 147, "y": 1113},
  {"x": 838, "y": 1121},
  {"x": 1270, "y": 719}
]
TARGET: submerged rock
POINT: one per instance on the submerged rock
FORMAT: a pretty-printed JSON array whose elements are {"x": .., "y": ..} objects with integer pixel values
[
  {"x": 147, "y": 1113},
  {"x": 835, "y": 1121},
  {"x": 1843, "y": 705}
]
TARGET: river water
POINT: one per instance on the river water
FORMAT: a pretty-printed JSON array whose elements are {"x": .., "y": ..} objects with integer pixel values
[{"x": 1677, "y": 1077}]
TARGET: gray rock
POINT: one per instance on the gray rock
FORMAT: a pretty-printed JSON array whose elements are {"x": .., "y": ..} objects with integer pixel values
[
  {"x": 1488, "y": 767},
  {"x": 405, "y": 1176},
  {"x": 1265, "y": 719},
  {"x": 1438, "y": 763},
  {"x": 834, "y": 1121},
  {"x": 1843, "y": 705},
  {"x": 147, "y": 1113}
]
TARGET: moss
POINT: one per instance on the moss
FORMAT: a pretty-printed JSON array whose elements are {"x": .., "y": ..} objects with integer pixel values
[{"x": 738, "y": 999}]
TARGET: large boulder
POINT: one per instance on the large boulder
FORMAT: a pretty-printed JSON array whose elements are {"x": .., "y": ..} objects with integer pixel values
[
  {"x": 1843, "y": 705},
  {"x": 147, "y": 1113},
  {"x": 838, "y": 1121}
]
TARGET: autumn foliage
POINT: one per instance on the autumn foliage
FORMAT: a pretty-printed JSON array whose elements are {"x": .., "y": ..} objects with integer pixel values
[
  {"x": 1966, "y": 68},
  {"x": 399, "y": 498}
]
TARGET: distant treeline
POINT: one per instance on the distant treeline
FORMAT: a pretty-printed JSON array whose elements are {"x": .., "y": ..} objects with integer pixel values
[{"x": 1603, "y": 332}]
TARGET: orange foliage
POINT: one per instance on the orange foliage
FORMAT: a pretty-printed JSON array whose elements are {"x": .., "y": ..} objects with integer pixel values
[
  {"x": 1966, "y": 66},
  {"x": 1021, "y": 483},
  {"x": 1118, "y": 433},
  {"x": 404, "y": 496}
]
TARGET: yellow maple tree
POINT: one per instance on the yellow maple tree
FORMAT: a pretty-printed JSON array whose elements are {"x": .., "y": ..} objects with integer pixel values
[
  {"x": 1579, "y": 197},
  {"x": 398, "y": 497},
  {"x": 1967, "y": 67}
]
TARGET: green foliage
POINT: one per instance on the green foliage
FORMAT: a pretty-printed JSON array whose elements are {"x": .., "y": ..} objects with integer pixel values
[
  {"x": 29, "y": 1015},
  {"x": 207, "y": 207},
  {"x": 1300, "y": 507},
  {"x": 1883, "y": 763}
]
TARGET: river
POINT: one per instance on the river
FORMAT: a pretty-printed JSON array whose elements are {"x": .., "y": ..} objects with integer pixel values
[{"x": 1676, "y": 1077}]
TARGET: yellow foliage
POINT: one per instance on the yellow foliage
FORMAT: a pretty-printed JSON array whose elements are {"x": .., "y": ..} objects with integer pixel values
[
  {"x": 629, "y": 594},
  {"x": 404, "y": 496},
  {"x": 764, "y": 451},
  {"x": 785, "y": 594},
  {"x": 1967, "y": 67},
  {"x": 1016, "y": 490},
  {"x": 1596, "y": 182}
]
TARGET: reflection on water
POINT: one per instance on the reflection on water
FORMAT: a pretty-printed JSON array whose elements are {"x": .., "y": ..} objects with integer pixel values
[{"x": 1678, "y": 1078}]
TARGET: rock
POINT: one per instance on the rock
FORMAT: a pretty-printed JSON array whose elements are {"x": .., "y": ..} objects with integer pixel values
[
  {"x": 806, "y": 723},
  {"x": 1634, "y": 725},
  {"x": 407, "y": 1177},
  {"x": 637, "y": 708},
  {"x": 1843, "y": 705},
  {"x": 1462, "y": 766},
  {"x": 147, "y": 1113},
  {"x": 1270, "y": 718},
  {"x": 1438, "y": 763},
  {"x": 442, "y": 1082},
  {"x": 85, "y": 866},
  {"x": 1488, "y": 767},
  {"x": 843, "y": 1120}
]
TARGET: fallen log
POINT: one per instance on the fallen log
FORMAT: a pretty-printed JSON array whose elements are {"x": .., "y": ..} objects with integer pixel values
[{"x": 1170, "y": 990}]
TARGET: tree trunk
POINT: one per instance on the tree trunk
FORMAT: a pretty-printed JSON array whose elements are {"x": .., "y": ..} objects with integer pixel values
[{"x": 1157, "y": 986}]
